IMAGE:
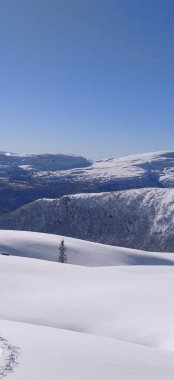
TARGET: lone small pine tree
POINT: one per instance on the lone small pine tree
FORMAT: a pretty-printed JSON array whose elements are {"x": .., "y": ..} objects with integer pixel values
[{"x": 62, "y": 252}]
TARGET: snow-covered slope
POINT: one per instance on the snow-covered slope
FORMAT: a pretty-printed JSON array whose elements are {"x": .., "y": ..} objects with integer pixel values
[
  {"x": 140, "y": 170},
  {"x": 139, "y": 218},
  {"x": 75, "y": 323},
  {"x": 79, "y": 252},
  {"x": 52, "y": 354}
]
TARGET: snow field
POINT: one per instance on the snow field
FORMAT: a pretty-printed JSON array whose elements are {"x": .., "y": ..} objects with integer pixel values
[
  {"x": 50, "y": 354},
  {"x": 73, "y": 322},
  {"x": 134, "y": 304}
]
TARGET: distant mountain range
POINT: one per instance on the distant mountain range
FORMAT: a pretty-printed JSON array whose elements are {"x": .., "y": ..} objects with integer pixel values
[{"x": 127, "y": 201}]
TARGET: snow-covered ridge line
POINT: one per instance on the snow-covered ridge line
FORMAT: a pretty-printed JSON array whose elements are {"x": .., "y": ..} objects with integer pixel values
[
  {"x": 12, "y": 154},
  {"x": 138, "y": 218},
  {"x": 130, "y": 156}
]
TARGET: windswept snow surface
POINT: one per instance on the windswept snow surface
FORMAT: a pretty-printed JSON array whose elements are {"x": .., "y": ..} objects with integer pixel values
[
  {"x": 79, "y": 252},
  {"x": 71, "y": 322},
  {"x": 52, "y": 354}
]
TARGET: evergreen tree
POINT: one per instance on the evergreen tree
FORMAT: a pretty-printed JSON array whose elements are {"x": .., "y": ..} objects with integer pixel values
[{"x": 62, "y": 253}]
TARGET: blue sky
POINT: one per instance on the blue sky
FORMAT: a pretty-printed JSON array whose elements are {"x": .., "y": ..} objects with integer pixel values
[{"x": 89, "y": 77}]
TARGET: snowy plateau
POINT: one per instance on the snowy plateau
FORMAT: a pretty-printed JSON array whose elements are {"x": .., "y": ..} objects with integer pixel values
[{"x": 108, "y": 313}]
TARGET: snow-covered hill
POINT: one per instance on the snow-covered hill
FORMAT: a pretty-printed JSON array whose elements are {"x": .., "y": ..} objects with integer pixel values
[
  {"x": 71, "y": 322},
  {"x": 140, "y": 170},
  {"x": 18, "y": 172},
  {"x": 40, "y": 162},
  {"x": 79, "y": 252},
  {"x": 139, "y": 218}
]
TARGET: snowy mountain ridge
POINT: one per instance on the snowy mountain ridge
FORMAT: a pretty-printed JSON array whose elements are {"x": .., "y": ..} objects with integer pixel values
[
  {"x": 136, "y": 218},
  {"x": 25, "y": 178}
]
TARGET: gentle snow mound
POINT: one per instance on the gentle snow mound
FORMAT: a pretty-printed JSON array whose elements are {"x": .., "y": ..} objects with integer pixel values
[{"x": 79, "y": 252}]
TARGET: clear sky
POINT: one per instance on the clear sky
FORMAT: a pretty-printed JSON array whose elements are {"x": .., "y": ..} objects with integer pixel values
[{"x": 89, "y": 77}]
